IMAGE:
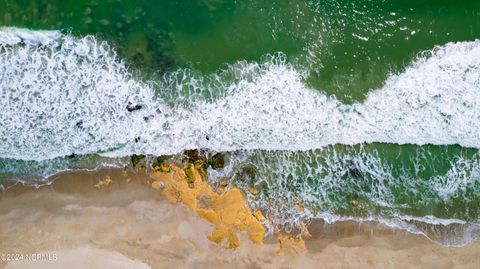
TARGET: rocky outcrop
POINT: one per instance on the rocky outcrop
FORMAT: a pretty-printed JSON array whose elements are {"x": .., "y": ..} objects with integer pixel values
[{"x": 225, "y": 208}]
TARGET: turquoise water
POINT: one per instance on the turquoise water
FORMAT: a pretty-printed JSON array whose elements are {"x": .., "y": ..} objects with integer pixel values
[{"x": 365, "y": 110}]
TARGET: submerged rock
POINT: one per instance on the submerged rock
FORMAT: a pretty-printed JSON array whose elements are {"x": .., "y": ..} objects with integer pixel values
[
  {"x": 354, "y": 171},
  {"x": 135, "y": 159},
  {"x": 250, "y": 170},
  {"x": 159, "y": 161},
  {"x": 217, "y": 161},
  {"x": 194, "y": 155}
]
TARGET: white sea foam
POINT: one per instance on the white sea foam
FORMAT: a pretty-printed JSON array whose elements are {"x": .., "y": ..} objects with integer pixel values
[
  {"x": 327, "y": 180},
  {"x": 71, "y": 97},
  {"x": 13, "y": 36},
  {"x": 68, "y": 97}
]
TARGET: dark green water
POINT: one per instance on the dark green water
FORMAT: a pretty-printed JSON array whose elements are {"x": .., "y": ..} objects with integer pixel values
[
  {"x": 349, "y": 46},
  {"x": 200, "y": 56}
]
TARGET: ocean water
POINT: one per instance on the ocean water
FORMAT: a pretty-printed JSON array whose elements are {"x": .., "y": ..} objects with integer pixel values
[{"x": 355, "y": 110}]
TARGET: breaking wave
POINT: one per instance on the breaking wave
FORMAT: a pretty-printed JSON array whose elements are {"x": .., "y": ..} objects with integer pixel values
[{"x": 70, "y": 95}]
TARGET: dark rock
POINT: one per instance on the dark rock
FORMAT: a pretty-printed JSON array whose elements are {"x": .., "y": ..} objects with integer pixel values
[
  {"x": 137, "y": 139},
  {"x": 217, "y": 161},
  {"x": 136, "y": 159},
  {"x": 194, "y": 155},
  {"x": 354, "y": 171},
  {"x": 131, "y": 107},
  {"x": 157, "y": 164},
  {"x": 148, "y": 118},
  {"x": 250, "y": 170},
  {"x": 79, "y": 124}
]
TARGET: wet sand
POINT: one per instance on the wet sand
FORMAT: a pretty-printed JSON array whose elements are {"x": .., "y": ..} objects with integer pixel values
[{"x": 131, "y": 225}]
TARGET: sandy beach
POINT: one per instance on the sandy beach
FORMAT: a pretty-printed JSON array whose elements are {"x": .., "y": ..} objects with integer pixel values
[{"x": 131, "y": 225}]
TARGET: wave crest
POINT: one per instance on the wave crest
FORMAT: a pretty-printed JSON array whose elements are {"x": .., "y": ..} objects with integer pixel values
[{"x": 71, "y": 96}]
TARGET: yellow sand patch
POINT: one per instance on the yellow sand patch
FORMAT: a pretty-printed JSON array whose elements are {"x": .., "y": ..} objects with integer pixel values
[
  {"x": 295, "y": 243},
  {"x": 127, "y": 177},
  {"x": 258, "y": 214},
  {"x": 105, "y": 182},
  {"x": 156, "y": 185},
  {"x": 227, "y": 211}
]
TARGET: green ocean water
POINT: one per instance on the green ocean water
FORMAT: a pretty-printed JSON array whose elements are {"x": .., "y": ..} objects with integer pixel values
[
  {"x": 346, "y": 49},
  {"x": 349, "y": 46}
]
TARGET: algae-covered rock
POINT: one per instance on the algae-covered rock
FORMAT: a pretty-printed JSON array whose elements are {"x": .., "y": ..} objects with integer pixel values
[
  {"x": 190, "y": 175},
  {"x": 193, "y": 155},
  {"x": 165, "y": 168},
  {"x": 217, "y": 161},
  {"x": 197, "y": 160},
  {"x": 157, "y": 164},
  {"x": 201, "y": 167},
  {"x": 135, "y": 159},
  {"x": 260, "y": 186},
  {"x": 250, "y": 170}
]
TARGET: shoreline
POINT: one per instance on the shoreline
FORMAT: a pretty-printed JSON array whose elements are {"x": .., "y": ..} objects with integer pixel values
[{"x": 131, "y": 225}]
